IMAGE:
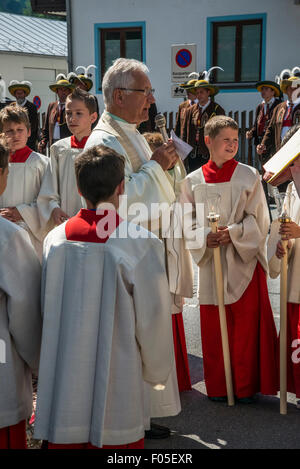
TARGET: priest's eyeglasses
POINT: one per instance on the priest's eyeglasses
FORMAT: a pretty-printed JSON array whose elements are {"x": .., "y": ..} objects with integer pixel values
[{"x": 146, "y": 93}]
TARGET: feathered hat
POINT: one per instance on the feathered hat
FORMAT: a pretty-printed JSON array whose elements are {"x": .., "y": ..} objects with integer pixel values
[
  {"x": 288, "y": 77},
  {"x": 61, "y": 82},
  {"x": 15, "y": 85},
  {"x": 83, "y": 77},
  {"x": 204, "y": 81}
]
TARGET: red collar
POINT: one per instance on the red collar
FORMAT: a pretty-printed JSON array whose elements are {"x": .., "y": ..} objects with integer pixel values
[
  {"x": 76, "y": 144},
  {"x": 212, "y": 173},
  {"x": 20, "y": 156},
  {"x": 92, "y": 227}
]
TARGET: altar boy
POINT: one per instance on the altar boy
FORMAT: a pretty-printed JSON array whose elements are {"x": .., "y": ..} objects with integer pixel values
[
  {"x": 20, "y": 324},
  {"x": 107, "y": 323},
  {"x": 58, "y": 198},
  {"x": 242, "y": 232}
]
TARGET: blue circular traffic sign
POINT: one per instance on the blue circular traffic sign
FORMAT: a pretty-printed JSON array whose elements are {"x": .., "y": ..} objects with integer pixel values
[
  {"x": 183, "y": 58},
  {"x": 37, "y": 102}
]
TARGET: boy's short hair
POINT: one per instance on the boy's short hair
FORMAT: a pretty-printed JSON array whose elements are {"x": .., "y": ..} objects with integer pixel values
[
  {"x": 4, "y": 152},
  {"x": 154, "y": 139},
  {"x": 81, "y": 95},
  {"x": 99, "y": 170},
  {"x": 217, "y": 123},
  {"x": 14, "y": 113}
]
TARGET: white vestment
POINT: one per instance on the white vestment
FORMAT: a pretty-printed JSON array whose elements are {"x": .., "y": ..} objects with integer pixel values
[
  {"x": 146, "y": 182},
  {"x": 107, "y": 327},
  {"x": 20, "y": 322},
  {"x": 244, "y": 210},
  {"x": 59, "y": 188},
  {"x": 293, "y": 283},
  {"x": 23, "y": 186}
]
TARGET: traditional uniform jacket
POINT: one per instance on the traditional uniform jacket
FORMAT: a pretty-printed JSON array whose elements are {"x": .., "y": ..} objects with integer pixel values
[
  {"x": 59, "y": 187},
  {"x": 20, "y": 322},
  {"x": 34, "y": 124},
  {"x": 23, "y": 186},
  {"x": 147, "y": 183},
  {"x": 180, "y": 118},
  {"x": 107, "y": 321},
  {"x": 262, "y": 120},
  {"x": 272, "y": 138},
  {"x": 51, "y": 119},
  {"x": 293, "y": 253},
  {"x": 193, "y": 132},
  {"x": 244, "y": 210}
]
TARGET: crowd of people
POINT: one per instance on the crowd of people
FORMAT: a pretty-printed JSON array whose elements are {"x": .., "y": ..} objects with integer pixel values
[{"x": 93, "y": 279}]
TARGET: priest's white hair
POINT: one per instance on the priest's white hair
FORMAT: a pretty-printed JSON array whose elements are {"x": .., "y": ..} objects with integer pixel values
[{"x": 120, "y": 75}]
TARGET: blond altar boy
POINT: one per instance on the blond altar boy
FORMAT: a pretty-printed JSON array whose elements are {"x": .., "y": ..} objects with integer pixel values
[
  {"x": 242, "y": 232},
  {"x": 107, "y": 324},
  {"x": 59, "y": 198},
  {"x": 26, "y": 172}
]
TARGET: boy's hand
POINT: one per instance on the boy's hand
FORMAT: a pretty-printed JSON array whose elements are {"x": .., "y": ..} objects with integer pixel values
[
  {"x": 11, "y": 213},
  {"x": 289, "y": 230},
  {"x": 279, "y": 249},
  {"x": 212, "y": 240},
  {"x": 58, "y": 216},
  {"x": 224, "y": 235}
]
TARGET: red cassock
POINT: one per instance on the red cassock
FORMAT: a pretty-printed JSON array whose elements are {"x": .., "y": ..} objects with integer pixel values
[
  {"x": 13, "y": 437},
  {"x": 293, "y": 346},
  {"x": 181, "y": 358},
  {"x": 83, "y": 227},
  {"x": 251, "y": 329}
]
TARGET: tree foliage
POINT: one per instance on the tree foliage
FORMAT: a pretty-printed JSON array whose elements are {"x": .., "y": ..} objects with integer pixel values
[{"x": 20, "y": 7}]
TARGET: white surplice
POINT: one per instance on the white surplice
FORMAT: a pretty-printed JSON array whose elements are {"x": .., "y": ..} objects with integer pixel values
[
  {"x": 23, "y": 186},
  {"x": 59, "y": 188},
  {"x": 20, "y": 322},
  {"x": 107, "y": 327},
  {"x": 293, "y": 283},
  {"x": 244, "y": 210}
]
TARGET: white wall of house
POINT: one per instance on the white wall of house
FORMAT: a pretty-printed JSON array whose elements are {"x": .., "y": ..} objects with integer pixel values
[
  {"x": 170, "y": 22},
  {"x": 40, "y": 71}
]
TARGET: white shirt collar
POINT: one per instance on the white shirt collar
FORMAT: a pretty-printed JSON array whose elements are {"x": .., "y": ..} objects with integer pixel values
[{"x": 205, "y": 106}]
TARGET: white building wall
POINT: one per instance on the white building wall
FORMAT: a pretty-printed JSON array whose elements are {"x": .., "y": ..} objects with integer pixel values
[
  {"x": 176, "y": 22},
  {"x": 40, "y": 71}
]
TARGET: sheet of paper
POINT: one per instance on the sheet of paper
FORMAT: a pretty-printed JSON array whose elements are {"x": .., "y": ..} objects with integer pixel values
[
  {"x": 295, "y": 170},
  {"x": 182, "y": 148},
  {"x": 284, "y": 157}
]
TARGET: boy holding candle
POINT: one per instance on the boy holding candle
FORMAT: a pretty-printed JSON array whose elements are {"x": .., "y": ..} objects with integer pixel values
[
  {"x": 241, "y": 235},
  {"x": 291, "y": 231}
]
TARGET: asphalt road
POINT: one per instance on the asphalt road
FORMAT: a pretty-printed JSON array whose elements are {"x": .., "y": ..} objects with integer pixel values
[{"x": 203, "y": 424}]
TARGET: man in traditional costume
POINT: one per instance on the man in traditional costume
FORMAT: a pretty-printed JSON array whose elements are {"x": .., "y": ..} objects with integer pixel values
[
  {"x": 195, "y": 119},
  {"x": 271, "y": 94},
  {"x": 20, "y": 324},
  {"x": 243, "y": 228},
  {"x": 55, "y": 126},
  {"x": 190, "y": 101},
  {"x": 20, "y": 90},
  {"x": 26, "y": 172},
  {"x": 107, "y": 324},
  {"x": 284, "y": 116},
  {"x": 127, "y": 96}
]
